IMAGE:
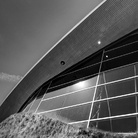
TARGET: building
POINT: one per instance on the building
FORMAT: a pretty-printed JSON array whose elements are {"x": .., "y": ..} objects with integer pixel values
[{"x": 90, "y": 77}]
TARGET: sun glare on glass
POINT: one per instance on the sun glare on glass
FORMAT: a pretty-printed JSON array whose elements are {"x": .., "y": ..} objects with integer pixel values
[{"x": 81, "y": 84}]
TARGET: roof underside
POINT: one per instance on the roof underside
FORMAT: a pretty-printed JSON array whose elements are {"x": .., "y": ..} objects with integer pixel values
[{"x": 112, "y": 20}]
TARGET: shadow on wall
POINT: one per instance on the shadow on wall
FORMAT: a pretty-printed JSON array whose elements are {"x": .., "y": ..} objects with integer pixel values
[{"x": 30, "y": 125}]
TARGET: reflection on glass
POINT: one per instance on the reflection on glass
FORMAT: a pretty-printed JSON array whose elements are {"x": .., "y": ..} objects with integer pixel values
[
  {"x": 27, "y": 108},
  {"x": 35, "y": 105},
  {"x": 136, "y": 69},
  {"x": 81, "y": 85},
  {"x": 87, "y": 83},
  {"x": 124, "y": 124},
  {"x": 86, "y": 72},
  {"x": 100, "y": 110},
  {"x": 38, "y": 98},
  {"x": 136, "y": 84},
  {"x": 94, "y": 59},
  {"x": 137, "y": 103},
  {"x": 75, "y": 114},
  {"x": 81, "y": 125},
  {"x": 100, "y": 93},
  {"x": 51, "y": 104},
  {"x": 125, "y": 41},
  {"x": 122, "y": 106},
  {"x": 72, "y": 114},
  {"x": 132, "y": 47},
  {"x": 93, "y": 124},
  {"x": 120, "y": 73},
  {"x": 103, "y": 125},
  {"x": 101, "y": 79},
  {"x": 79, "y": 97},
  {"x": 120, "y": 61},
  {"x": 121, "y": 88}
]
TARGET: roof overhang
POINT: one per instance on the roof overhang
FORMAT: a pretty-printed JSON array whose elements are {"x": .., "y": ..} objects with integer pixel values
[{"x": 112, "y": 20}]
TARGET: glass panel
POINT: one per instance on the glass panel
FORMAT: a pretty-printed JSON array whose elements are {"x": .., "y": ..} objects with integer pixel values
[
  {"x": 136, "y": 69},
  {"x": 81, "y": 125},
  {"x": 35, "y": 105},
  {"x": 102, "y": 125},
  {"x": 94, "y": 59},
  {"x": 72, "y": 114},
  {"x": 93, "y": 124},
  {"x": 51, "y": 104},
  {"x": 122, "y": 106},
  {"x": 43, "y": 90},
  {"x": 124, "y": 124},
  {"x": 76, "y": 75},
  {"x": 79, "y": 97},
  {"x": 132, "y": 47},
  {"x": 120, "y": 73},
  {"x": 121, "y": 88},
  {"x": 137, "y": 84},
  {"x": 77, "y": 113},
  {"x": 38, "y": 98},
  {"x": 100, "y": 110},
  {"x": 127, "y": 40},
  {"x": 76, "y": 87},
  {"x": 100, "y": 93},
  {"x": 29, "y": 101},
  {"x": 121, "y": 61},
  {"x": 137, "y": 103},
  {"x": 27, "y": 108},
  {"x": 101, "y": 79}
]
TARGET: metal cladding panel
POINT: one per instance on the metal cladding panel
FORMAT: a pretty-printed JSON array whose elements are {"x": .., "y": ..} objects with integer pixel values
[{"x": 112, "y": 20}]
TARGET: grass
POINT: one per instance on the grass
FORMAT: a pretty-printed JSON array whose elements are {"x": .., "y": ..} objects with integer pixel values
[{"x": 30, "y": 125}]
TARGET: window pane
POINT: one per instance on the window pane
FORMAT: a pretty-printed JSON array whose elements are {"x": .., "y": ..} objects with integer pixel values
[
  {"x": 77, "y": 113},
  {"x": 124, "y": 124},
  {"x": 76, "y": 87},
  {"x": 79, "y": 97},
  {"x": 120, "y": 73},
  {"x": 137, "y": 103},
  {"x": 127, "y": 40},
  {"x": 100, "y": 110},
  {"x": 121, "y": 61},
  {"x": 29, "y": 101},
  {"x": 35, "y": 105},
  {"x": 38, "y": 98},
  {"x": 102, "y": 125},
  {"x": 137, "y": 84},
  {"x": 101, "y": 79},
  {"x": 72, "y": 114},
  {"x": 100, "y": 93},
  {"x": 27, "y": 107},
  {"x": 76, "y": 75},
  {"x": 87, "y": 62},
  {"x": 81, "y": 125},
  {"x": 137, "y": 69},
  {"x": 51, "y": 104},
  {"x": 122, "y": 106},
  {"x": 132, "y": 47},
  {"x": 93, "y": 124},
  {"x": 121, "y": 88},
  {"x": 42, "y": 90}
]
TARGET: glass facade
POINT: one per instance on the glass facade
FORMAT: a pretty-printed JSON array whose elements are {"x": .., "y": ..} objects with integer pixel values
[{"x": 100, "y": 91}]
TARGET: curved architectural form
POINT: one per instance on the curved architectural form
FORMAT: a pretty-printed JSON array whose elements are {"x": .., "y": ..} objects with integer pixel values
[
  {"x": 101, "y": 91},
  {"x": 90, "y": 78}
]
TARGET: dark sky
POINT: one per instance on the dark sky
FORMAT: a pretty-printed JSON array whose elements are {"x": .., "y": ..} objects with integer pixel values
[{"x": 29, "y": 28}]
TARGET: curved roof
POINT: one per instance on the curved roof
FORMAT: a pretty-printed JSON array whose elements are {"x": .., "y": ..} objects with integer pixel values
[{"x": 105, "y": 24}]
